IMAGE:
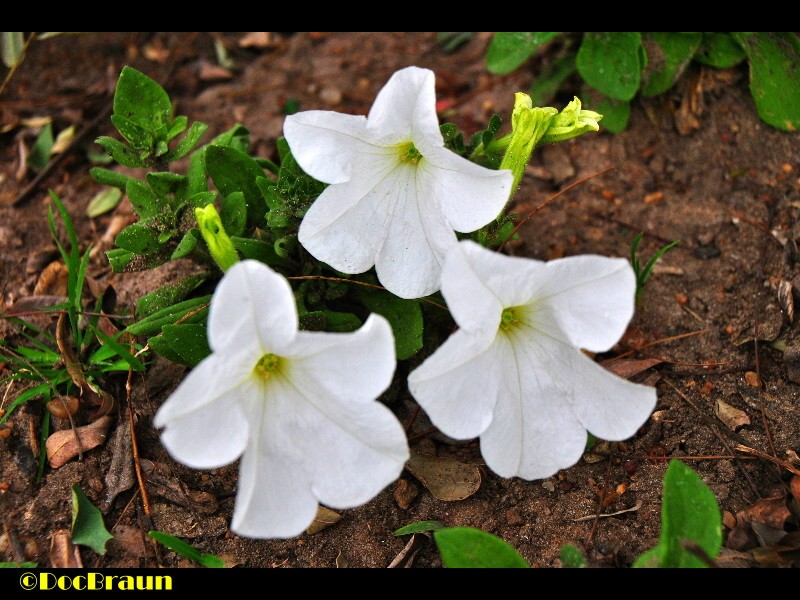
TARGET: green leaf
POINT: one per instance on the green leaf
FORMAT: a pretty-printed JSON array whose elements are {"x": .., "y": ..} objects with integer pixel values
[
  {"x": 24, "y": 397},
  {"x": 509, "y": 49},
  {"x": 40, "y": 153},
  {"x": 234, "y": 214},
  {"x": 138, "y": 137},
  {"x": 257, "y": 250},
  {"x": 668, "y": 53},
  {"x": 11, "y": 45},
  {"x": 103, "y": 201},
  {"x": 88, "y": 528},
  {"x": 405, "y": 317},
  {"x": 119, "y": 259},
  {"x": 232, "y": 170},
  {"x": 465, "y": 548},
  {"x": 546, "y": 85},
  {"x": 121, "y": 350},
  {"x": 616, "y": 113},
  {"x": 187, "y": 244},
  {"x": 774, "y": 76},
  {"x": 611, "y": 62},
  {"x": 18, "y": 565},
  {"x": 196, "y": 173},
  {"x": 572, "y": 557},
  {"x": 191, "y": 311},
  {"x": 138, "y": 239},
  {"x": 341, "y": 322},
  {"x": 178, "y": 546},
  {"x": 719, "y": 50},
  {"x": 108, "y": 177},
  {"x": 689, "y": 513},
  {"x": 168, "y": 295},
  {"x": 142, "y": 102},
  {"x": 237, "y": 137},
  {"x": 188, "y": 343},
  {"x": 165, "y": 183},
  {"x": 188, "y": 142},
  {"x": 121, "y": 153},
  {"x": 177, "y": 127},
  {"x": 420, "y": 527}
]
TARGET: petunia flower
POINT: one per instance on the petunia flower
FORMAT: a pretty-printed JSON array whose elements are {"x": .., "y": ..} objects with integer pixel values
[
  {"x": 298, "y": 407},
  {"x": 514, "y": 374},
  {"x": 396, "y": 194}
]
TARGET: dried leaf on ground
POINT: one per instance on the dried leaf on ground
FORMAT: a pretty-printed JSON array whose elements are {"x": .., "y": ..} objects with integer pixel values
[
  {"x": 161, "y": 482},
  {"x": 406, "y": 557},
  {"x": 768, "y": 511},
  {"x": 120, "y": 475},
  {"x": 325, "y": 518},
  {"x": 446, "y": 478},
  {"x": 53, "y": 280},
  {"x": 63, "y": 553},
  {"x": 64, "y": 445},
  {"x": 731, "y": 416},
  {"x": 627, "y": 368},
  {"x": 341, "y": 561}
]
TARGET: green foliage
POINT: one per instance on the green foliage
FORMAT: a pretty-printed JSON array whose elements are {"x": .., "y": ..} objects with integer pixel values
[
  {"x": 572, "y": 557},
  {"x": 420, "y": 527},
  {"x": 88, "y": 528},
  {"x": 405, "y": 317},
  {"x": 509, "y": 49},
  {"x": 18, "y": 565},
  {"x": 40, "y": 153},
  {"x": 643, "y": 274},
  {"x": 615, "y": 66},
  {"x": 465, "y": 548},
  {"x": 178, "y": 546},
  {"x": 774, "y": 76},
  {"x": 691, "y": 523}
]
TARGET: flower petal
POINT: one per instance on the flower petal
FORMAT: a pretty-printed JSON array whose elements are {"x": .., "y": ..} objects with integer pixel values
[
  {"x": 460, "y": 383},
  {"x": 479, "y": 283},
  {"x": 252, "y": 304},
  {"x": 405, "y": 108},
  {"x": 471, "y": 195},
  {"x": 348, "y": 223},
  {"x": 328, "y": 145},
  {"x": 195, "y": 439},
  {"x": 274, "y": 499},
  {"x": 349, "y": 451},
  {"x": 611, "y": 407},
  {"x": 533, "y": 433},
  {"x": 353, "y": 367},
  {"x": 212, "y": 379},
  {"x": 591, "y": 298},
  {"x": 409, "y": 263}
]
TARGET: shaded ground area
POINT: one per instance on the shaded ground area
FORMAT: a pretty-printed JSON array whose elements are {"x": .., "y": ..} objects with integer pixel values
[{"x": 729, "y": 190}]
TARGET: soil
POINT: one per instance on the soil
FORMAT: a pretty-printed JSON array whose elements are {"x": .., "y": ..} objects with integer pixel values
[{"x": 728, "y": 188}]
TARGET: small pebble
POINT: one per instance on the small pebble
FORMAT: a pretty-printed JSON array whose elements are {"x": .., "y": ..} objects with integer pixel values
[
  {"x": 752, "y": 379},
  {"x": 630, "y": 466},
  {"x": 549, "y": 485},
  {"x": 331, "y": 96}
]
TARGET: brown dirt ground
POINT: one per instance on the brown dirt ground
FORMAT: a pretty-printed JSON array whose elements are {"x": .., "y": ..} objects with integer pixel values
[{"x": 729, "y": 190}]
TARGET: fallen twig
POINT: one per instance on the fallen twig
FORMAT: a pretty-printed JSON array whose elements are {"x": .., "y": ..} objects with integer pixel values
[{"x": 613, "y": 514}]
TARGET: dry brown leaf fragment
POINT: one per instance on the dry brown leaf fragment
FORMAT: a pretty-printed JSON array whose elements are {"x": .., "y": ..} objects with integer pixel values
[
  {"x": 161, "y": 482},
  {"x": 446, "y": 478},
  {"x": 64, "y": 407},
  {"x": 63, "y": 553},
  {"x": 731, "y": 416},
  {"x": 627, "y": 368},
  {"x": 325, "y": 518},
  {"x": 768, "y": 511},
  {"x": 406, "y": 556},
  {"x": 404, "y": 493},
  {"x": 256, "y": 39},
  {"x": 62, "y": 446},
  {"x": 341, "y": 561},
  {"x": 794, "y": 487},
  {"x": 53, "y": 280}
]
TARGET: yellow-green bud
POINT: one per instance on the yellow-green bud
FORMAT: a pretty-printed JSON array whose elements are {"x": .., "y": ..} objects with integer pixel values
[
  {"x": 571, "y": 122},
  {"x": 528, "y": 125},
  {"x": 217, "y": 240}
]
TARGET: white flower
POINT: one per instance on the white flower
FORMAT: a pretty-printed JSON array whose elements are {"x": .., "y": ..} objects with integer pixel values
[
  {"x": 298, "y": 407},
  {"x": 514, "y": 374},
  {"x": 396, "y": 192}
]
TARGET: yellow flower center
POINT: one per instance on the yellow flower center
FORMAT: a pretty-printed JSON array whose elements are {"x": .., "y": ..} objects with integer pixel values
[
  {"x": 409, "y": 154},
  {"x": 511, "y": 318},
  {"x": 267, "y": 366}
]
